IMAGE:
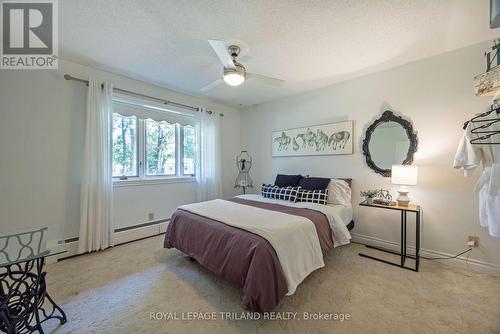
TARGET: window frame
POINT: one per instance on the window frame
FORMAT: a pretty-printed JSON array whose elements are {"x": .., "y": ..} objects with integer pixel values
[
  {"x": 145, "y": 155},
  {"x": 137, "y": 152},
  {"x": 181, "y": 172},
  {"x": 141, "y": 158}
]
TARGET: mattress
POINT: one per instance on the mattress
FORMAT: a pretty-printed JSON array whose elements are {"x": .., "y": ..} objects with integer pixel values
[{"x": 246, "y": 258}]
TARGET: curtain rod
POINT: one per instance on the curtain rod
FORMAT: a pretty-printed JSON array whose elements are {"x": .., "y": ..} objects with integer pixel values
[{"x": 166, "y": 102}]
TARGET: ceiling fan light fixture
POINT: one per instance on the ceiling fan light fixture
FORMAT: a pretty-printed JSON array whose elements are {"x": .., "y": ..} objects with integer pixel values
[
  {"x": 234, "y": 73},
  {"x": 234, "y": 79},
  {"x": 235, "y": 76}
]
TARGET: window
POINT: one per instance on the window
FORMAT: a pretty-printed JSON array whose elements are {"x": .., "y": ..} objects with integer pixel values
[
  {"x": 124, "y": 145},
  {"x": 151, "y": 142},
  {"x": 160, "y": 148},
  {"x": 189, "y": 143}
]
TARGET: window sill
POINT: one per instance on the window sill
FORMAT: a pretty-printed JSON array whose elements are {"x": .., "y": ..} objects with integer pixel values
[{"x": 152, "y": 181}]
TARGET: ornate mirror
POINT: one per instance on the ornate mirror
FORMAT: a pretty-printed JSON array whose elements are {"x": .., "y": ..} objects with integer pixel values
[{"x": 390, "y": 140}]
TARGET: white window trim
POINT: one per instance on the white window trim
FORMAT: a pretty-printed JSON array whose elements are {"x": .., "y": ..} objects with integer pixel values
[
  {"x": 135, "y": 181},
  {"x": 142, "y": 178}
]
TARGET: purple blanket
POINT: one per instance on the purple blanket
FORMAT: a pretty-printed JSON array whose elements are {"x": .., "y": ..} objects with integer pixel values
[{"x": 238, "y": 255}]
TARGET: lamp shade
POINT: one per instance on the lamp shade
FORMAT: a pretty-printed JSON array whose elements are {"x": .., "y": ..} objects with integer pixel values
[{"x": 406, "y": 175}]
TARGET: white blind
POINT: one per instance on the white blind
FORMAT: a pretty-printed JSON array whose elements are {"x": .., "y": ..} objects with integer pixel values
[{"x": 145, "y": 110}]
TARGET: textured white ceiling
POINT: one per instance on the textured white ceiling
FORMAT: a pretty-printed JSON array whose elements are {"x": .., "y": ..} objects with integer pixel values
[{"x": 309, "y": 44}]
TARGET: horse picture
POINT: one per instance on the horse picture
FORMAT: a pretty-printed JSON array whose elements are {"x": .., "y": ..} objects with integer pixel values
[{"x": 327, "y": 139}]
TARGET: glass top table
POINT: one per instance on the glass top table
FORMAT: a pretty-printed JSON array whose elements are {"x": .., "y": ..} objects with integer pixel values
[
  {"x": 17, "y": 246},
  {"x": 24, "y": 301}
]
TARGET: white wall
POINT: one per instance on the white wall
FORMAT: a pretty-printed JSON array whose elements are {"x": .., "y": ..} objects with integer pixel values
[
  {"x": 41, "y": 146},
  {"x": 41, "y": 142},
  {"x": 437, "y": 95}
]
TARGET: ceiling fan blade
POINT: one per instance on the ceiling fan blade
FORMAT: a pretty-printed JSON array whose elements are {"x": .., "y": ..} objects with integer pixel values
[
  {"x": 212, "y": 85},
  {"x": 221, "y": 51},
  {"x": 265, "y": 80}
]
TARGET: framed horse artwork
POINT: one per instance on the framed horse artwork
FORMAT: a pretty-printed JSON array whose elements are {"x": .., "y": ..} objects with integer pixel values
[{"x": 326, "y": 139}]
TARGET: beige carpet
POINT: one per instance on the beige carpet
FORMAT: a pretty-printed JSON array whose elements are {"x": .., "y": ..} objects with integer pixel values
[{"x": 116, "y": 290}]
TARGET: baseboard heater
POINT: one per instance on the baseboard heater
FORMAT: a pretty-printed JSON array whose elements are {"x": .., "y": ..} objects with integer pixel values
[
  {"x": 153, "y": 222},
  {"x": 128, "y": 228},
  {"x": 122, "y": 235}
]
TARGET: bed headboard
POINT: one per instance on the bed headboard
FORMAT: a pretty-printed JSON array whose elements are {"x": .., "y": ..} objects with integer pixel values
[{"x": 349, "y": 181}]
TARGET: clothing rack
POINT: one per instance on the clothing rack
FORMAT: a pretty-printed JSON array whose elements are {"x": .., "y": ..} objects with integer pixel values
[
  {"x": 484, "y": 122},
  {"x": 166, "y": 102}
]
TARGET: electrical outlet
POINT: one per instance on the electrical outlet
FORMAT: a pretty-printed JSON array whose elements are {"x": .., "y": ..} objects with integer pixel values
[
  {"x": 151, "y": 216},
  {"x": 473, "y": 241}
]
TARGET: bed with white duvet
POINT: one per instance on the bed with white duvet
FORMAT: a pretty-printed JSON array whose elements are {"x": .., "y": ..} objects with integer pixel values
[{"x": 268, "y": 246}]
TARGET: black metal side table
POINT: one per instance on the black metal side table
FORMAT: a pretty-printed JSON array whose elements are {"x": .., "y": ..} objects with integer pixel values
[
  {"x": 24, "y": 301},
  {"x": 403, "y": 255}
]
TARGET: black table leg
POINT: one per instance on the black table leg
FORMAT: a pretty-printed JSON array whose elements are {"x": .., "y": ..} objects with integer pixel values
[
  {"x": 403, "y": 253},
  {"x": 25, "y": 303},
  {"x": 402, "y": 247},
  {"x": 417, "y": 242},
  {"x": 404, "y": 236}
]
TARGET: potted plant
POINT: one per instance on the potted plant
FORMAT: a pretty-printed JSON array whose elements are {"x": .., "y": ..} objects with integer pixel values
[{"x": 369, "y": 195}]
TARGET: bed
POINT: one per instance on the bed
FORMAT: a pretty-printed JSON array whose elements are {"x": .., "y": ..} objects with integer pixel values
[{"x": 266, "y": 246}]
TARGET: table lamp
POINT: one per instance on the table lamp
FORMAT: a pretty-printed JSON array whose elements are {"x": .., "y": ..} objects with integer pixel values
[{"x": 404, "y": 175}]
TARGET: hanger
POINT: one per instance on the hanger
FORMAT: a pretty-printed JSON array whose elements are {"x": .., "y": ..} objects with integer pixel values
[
  {"x": 481, "y": 129},
  {"x": 484, "y": 125},
  {"x": 473, "y": 120},
  {"x": 494, "y": 107},
  {"x": 478, "y": 139}
]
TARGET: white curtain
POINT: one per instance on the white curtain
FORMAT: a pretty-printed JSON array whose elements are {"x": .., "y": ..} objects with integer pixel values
[
  {"x": 208, "y": 173},
  {"x": 96, "y": 216}
]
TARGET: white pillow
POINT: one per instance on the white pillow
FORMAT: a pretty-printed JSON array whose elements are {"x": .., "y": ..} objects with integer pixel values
[{"x": 339, "y": 192}]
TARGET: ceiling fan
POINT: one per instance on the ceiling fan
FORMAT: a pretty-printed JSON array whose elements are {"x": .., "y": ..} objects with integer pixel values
[{"x": 234, "y": 73}]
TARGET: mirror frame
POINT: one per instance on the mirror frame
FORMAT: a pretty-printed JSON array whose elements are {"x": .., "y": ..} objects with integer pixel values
[{"x": 388, "y": 116}]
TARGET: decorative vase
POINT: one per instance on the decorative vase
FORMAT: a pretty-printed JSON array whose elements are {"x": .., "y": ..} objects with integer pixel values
[{"x": 369, "y": 200}]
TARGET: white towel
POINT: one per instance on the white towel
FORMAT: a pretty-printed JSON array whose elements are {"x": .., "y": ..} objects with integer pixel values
[
  {"x": 489, "y": 205},
  {"x": 484, "y": 180},
  {"x": 494, "y": 185},
  {"x": 468, "y": 156}
]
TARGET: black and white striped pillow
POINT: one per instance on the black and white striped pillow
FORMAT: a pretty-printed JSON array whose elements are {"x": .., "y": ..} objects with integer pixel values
[
  {"x": 313, "y": 196},
  {"x": 284, "y": 193}
]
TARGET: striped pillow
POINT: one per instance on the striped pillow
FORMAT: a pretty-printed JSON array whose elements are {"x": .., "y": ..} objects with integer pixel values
[
  {"x": 283, "y": 193},
  {"x": 313, "y": 196}
]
